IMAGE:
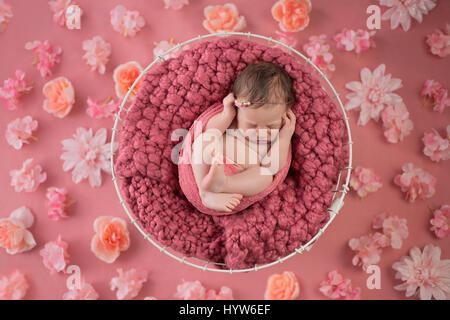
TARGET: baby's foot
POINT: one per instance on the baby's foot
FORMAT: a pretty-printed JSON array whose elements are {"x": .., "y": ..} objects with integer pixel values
[
  {"x": 215, "y": 178},
  {"x": 224, "y": 202}
]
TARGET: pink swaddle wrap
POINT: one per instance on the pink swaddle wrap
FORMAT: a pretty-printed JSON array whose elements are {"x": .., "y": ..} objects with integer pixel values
[{"x": 187, "y": 179}]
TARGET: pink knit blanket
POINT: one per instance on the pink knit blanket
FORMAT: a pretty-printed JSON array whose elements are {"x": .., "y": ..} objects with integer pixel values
[
  {"x": 173, "y": 94},
  {"x": 186, "y": 174}
]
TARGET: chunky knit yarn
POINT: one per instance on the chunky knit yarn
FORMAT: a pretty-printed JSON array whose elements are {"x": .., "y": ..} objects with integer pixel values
[{"x": 173, "y": 94}]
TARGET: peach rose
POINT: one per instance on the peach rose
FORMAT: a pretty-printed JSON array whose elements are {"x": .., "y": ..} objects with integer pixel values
[
  {"x": 292, "y": 15},
  {"x": 223, "y": 18},
  {"x": 282, "y": 287},
  {"x": 124, "y": 77},
  {"x": 14, "y": 236},
  {"x": 59, "y": 97},
  {"x": 110, "y": 239}
]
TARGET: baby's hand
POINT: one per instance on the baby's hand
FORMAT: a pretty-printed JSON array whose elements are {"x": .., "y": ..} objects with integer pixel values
[
  {"x": 288, "y": 127},
  {"x": 228, "y": 104}
]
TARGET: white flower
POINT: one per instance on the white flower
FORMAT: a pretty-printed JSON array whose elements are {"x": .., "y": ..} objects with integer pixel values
[{"x": 401, "y": 11}]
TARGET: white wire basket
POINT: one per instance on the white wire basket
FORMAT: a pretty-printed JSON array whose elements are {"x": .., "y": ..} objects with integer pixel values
[{"x": 339, "y": 191}]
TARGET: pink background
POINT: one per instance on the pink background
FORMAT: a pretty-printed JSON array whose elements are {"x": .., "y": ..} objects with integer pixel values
[{"x": 406, "y": 57}]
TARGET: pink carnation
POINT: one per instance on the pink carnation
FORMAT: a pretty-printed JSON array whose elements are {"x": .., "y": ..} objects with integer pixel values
[
  {"x": 396, "y": 122},
  {"x": 13, "y": 89},
  {"x": 194, "y": 290},
  {"x": 105, "y": 109},
  {"x": 359, "y": 40},
  {"x": 5, "y": 15},
  {"x": 415, "y": 182},
  {"x": 28, "y": 178},
  {"x": 338, "y": 288},
  {"x": 393, "y": 227},
  {"x": 126, "y": 22},
  {"x": 128, "y": 283},
  {"x": 175, "y": 4},
  {"x": 435, "y": 94},
  {"x": 97, "y": 53},
  {"x": 424, "y": 273},
  {"x": 365, "y": 181},
  {"x": 439, "y": 42},
  {"x": 318, "y": 50},
  {"x": 57, "y": 202},
  {"x": 14, "y": 286},
  {"x": 19, "y": 131},
  {"x": 436, "y": 147},
  {"x": 368, "y": 249},
  {"x": 85, "y": 292},
  {"x": 46, "y": 56},
  {"x": 55, "y": 256},
  {"x": 440, "y": 224}
]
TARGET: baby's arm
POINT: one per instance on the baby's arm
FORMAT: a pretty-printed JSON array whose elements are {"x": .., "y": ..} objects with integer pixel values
[
  {"x": 222, "y": 120},
  {"x": 281, "y": 145}
]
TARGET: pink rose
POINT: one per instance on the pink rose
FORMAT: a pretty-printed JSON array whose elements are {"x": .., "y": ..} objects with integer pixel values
[
  {"x": 14, "y": 234},
  {"x": 110, "y": 239},
  {"x": 282, "y": 287},
  {"x": 59, "y": 97}
]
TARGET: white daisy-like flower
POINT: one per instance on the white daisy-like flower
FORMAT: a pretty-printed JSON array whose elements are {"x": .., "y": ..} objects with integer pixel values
[
  {"x": 87, "y": 155},
  {"x": 372, "y": 94},
  {"x": 401, "y": 11}
]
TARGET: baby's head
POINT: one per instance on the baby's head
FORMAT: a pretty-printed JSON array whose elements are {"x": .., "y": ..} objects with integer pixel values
[{"x": 267, "y": 88}]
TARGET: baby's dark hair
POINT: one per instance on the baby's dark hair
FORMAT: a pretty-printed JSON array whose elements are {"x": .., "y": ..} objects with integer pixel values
[{"x": 264, "y": 82}]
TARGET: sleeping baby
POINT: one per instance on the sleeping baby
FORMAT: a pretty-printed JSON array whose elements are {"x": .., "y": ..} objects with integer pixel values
[{"x": 247, "y": 143}]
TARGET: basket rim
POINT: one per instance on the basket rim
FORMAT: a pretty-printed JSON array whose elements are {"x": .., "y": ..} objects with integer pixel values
[{"x": 337, "y": 202}]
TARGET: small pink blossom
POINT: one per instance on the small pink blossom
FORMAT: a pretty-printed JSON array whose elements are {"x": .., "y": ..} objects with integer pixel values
[
  {"x": 359, "y": 40},
  {"x": 105, "y": 109},
  {"x": 424, "y": 273},
  {"x": 57, "y": 202},
  {"x": 415, "y": 182},
  {"x": 164, "y": 45},
  {"x": 55, "y": 256},
  {"x": 6, "y": 15},
  {"x": 13, "y": 89},
  {"x": 175, "y": 4},
  {"x": 368, "y": 249},
  {"x": 287, "y": 38},
  {"x": 59, "y": 8},
  {"x": 14, "y": 286},
  {"x": 194, "y": 290},
  {"x": 150, "y": 298},
  {"x": 436, "y": 147},
  {"x": 439, "y": 42},
  {"x": 87, "y": 155},
  {"x": 126, "y": 22},
  {"x": 440, "y": 224},
  {"x": 14, "y": 234},
  {"x": 396, "y": 122},
  {"x": 28, "y": 178},
  {"x": 365, "y": 181},
  {"x": 97, "y": 53},
  {"x": 338, "y": 288},
  {"x": 73, "y": 17},
  {"x": 46, "y": 56},
  {"x": 19, "y": 131},
  {"x": 435, "y": 94},
  {"x": 372, "y": 94},
  {"x": 128, "y": 283},
  {"x": 85, "y": 292},
  {"x": 401, "y": 11},
  {"x": 318, "y": 49},
  {"x": 393, "y": 227}
]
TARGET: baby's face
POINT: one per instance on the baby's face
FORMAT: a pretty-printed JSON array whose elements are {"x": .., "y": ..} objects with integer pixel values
[{"x": 267, "y": 118}]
